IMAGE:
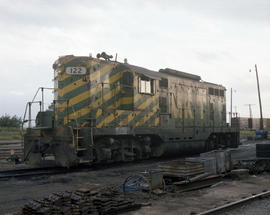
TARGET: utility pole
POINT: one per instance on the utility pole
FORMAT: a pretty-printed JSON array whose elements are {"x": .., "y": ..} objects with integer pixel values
[
  {"x": 250, "y": 110},
  {"x": 235, "y": 113},
  {"x": 231, "y": 109},
  {"x": 250, "y": 123},
  {"x": 231, "y": 112},
  {"x": 259, "y": 95}
]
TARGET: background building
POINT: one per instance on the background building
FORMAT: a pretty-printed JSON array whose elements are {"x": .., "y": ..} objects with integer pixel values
[{"x": 255, "y": 123}]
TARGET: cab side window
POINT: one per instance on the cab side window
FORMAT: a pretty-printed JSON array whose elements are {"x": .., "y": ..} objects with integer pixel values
[{"x": 146, "y": 85}]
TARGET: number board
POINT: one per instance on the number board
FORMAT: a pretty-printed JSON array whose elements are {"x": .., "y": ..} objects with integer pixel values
[{"x": 76, "y": 70}]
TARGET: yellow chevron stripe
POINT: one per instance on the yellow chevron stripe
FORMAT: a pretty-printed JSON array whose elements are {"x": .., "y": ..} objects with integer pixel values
[
  {"x": 155, "y": 109},
  {"x": 84, "y": 124},
  {"x": 124, "y": 122},
  {"x": 109, "y": 119},
  {"x": 77, "y": 114},
  {"x": 147, "y": 116},
  {"x": 147, "y": 102},
  {"x": 97, "y": 103},
  {"x": 87, "y": 94},
  {"x": 106, "y": 97},
  {"x": 63, "y": 75},
  {"x": 71, "y": 87},
  {"x": 99, "y": 112},
  {"x": 121, "y": 101},
  {"x": 79, "y": 98},
  {"x": 140, "y": 107},
  {"x": 93, "y": 77},
  {"x": 126, "y": 100},
  {"x": 115, "y": 77},
  {"x": 156, "y": 121},
  {"x": 102, "y": 72},
  {"x": 106, "y": 121},
  {"x": 144, "y": 104},
  {"x": 134, "y": 113},
  {"x": 137, "y": 97}
]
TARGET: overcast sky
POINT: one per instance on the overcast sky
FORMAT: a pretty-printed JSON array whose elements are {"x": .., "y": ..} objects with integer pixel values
[{"x": 216, "y": 39}]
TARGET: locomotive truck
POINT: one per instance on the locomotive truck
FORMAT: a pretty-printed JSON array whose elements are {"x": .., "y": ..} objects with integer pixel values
[{"x": 107, "y": 111}]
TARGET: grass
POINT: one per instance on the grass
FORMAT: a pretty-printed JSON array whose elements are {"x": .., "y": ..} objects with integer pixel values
[
  {"x": 10, "y": 133},
  {"x": 244, "y": 134}
]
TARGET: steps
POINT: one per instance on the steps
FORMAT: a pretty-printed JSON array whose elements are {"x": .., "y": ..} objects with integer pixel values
[{"x": 78, "y": 140}]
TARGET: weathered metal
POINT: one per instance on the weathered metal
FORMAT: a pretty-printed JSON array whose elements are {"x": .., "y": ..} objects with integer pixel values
[{"x": 110, "y": 111}]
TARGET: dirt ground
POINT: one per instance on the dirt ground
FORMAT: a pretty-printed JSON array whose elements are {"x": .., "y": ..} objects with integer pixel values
[{"x": 15, "y": 193}]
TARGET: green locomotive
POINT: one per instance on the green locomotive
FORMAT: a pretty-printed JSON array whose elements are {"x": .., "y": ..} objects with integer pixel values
[{"x": 106, "y": 111}]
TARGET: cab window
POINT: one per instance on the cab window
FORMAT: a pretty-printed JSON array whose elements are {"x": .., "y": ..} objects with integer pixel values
[{"x": 146, "y": 85}]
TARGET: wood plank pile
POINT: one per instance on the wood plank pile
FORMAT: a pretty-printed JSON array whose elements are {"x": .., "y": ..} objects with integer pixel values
[
  {"x": 111, "y": 203},
  {"x": 6, "y": 149},
  {"x": 81, "y": 202},
  {"x": 181, "y": 168}
]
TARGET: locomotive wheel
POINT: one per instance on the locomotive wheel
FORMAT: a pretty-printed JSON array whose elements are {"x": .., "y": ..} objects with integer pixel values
[
  {"x": 116, "y": 155},
  {"x": 102, "y": 155},
  {"x": 210, "y": 145},
  {"x": 95, "y": 156},
  {"x": 65, "y": 156},
  {"x": 34, "y": 159},
  {"x": 138, "y": 153}
]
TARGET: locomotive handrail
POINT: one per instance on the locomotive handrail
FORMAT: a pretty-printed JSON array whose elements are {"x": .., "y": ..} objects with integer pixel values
[
  {"x": 42, "y": 95},
  {"x": 77, "y": 128},
  {"x": 73, "y": 144},
  {"x": 28, "y": 105}
]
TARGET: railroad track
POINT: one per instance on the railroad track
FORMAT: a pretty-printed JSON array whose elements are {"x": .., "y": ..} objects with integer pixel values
[
  {"x": 232, "y": 205},
  {"x": 31, "y": 172},
  {"x": 35, "y": 172}
]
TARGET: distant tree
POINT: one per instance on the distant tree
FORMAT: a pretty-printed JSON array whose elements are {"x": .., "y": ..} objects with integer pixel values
[
  {"x": 51, "y": 107},
  {"x": 8, "y": 121}
]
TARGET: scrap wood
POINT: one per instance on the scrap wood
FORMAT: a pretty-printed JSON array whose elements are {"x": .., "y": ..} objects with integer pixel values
[
  {"x": 196, "y": 185},
  {"x": 194, "y": 179}
]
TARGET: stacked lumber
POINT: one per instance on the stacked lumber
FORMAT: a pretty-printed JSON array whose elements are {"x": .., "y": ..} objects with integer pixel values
[
  {"x": 6, "y": 149},
  {"x": 181, "y": 169}
]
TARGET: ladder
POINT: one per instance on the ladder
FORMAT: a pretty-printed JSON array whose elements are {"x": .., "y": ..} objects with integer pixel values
[{"x": 78, "y": 140}]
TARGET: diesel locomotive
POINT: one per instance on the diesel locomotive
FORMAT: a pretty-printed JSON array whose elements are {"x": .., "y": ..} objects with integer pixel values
[{"x": 107, "y": 111}]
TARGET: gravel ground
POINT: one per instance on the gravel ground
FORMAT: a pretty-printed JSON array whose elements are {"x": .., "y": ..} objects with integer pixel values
[{"x": 15, "y": 193}]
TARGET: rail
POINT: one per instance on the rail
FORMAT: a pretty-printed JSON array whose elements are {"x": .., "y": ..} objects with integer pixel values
[
  {"x": 226, "y": 207},
  {"x": 30, "y": 172}
]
